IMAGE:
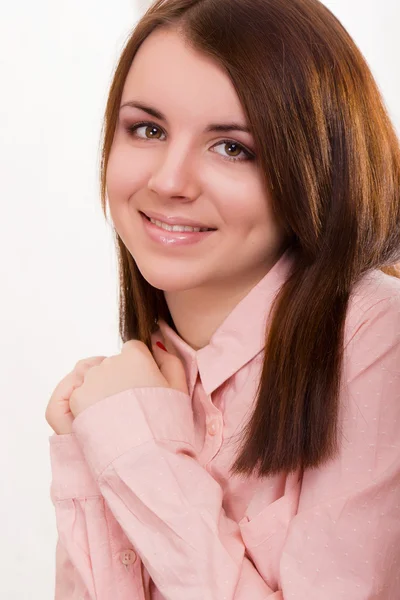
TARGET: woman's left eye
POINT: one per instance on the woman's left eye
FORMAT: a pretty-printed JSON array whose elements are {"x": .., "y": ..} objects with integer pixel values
[{"x": 151, "y": 127}]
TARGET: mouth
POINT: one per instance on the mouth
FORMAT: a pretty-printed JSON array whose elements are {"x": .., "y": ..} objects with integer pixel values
[{"x": 202, "y": 229}]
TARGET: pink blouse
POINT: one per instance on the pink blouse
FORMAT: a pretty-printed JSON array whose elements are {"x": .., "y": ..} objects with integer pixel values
[{"x": 145, "y": 507}]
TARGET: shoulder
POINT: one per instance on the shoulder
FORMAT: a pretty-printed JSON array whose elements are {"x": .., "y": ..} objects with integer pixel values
[
  {"x": 374, "y": 299},
  {"x": 372, "y": 351}
]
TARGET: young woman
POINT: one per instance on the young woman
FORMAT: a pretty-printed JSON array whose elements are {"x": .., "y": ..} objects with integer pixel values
[{"x": 259, "y": 456}]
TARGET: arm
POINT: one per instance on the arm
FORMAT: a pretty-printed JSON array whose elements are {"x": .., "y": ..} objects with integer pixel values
[
  {"x": 91, "y": 547},
  {"x": 342, "y": 543},
  {"x": 139, "y": 446}
]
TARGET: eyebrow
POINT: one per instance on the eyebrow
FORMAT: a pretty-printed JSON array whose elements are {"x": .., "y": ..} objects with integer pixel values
[{"x": 218, "y": 127}]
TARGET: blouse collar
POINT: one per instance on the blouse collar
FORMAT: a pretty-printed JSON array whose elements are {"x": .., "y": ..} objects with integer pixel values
[{"x": 239, "y": 338}]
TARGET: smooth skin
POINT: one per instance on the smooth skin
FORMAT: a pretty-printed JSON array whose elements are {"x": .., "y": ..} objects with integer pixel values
[
  {"x": 100, "y": 377},
  {"x": 175, "y": 167},
  {"x": 58, "y": 413}
]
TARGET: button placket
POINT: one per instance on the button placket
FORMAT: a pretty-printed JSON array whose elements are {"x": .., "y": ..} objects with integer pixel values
[{"x": 213, "y": 428}]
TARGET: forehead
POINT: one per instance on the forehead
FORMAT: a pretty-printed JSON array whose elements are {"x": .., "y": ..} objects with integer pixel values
[{"x": 180, "y": 80}]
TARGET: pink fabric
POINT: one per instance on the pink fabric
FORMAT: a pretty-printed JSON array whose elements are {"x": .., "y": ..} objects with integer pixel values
[{"x": 146, "y": 509}]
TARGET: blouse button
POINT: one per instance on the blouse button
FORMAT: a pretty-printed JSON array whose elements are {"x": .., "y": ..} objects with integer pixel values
[
  {"x": 212, "y": 427},
  {"x": 128, "y": 557}
]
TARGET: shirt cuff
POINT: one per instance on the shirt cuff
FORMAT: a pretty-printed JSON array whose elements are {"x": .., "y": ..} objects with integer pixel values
[
  {"x": 71, "y": 476},
  {"x": 109, "y": 428}
]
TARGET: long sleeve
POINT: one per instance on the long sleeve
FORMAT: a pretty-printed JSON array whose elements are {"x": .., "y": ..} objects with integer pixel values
[
  {"x": 139, "y": 446},
  {"x": 94, "y": 559},
  {"x": 342, "y": 541}
]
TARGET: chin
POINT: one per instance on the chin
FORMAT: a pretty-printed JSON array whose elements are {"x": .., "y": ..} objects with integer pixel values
[{"x": 167, "y": 281}]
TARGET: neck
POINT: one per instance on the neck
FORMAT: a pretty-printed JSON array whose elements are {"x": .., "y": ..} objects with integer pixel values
[{"x": 197, "y": 313}]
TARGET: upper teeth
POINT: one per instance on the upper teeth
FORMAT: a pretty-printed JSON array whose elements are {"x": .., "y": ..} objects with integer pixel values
[{"x": 177, "y": 227}]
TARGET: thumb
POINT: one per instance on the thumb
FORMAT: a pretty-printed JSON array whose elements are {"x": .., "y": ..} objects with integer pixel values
[{"x": 171, "y": 368}]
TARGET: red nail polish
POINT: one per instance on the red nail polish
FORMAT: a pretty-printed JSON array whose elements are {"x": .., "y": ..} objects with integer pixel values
[{"x": 160, "y": 345}]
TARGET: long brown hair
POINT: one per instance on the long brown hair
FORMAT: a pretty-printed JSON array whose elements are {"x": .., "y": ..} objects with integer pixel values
[{"x": 331, "y": 159}]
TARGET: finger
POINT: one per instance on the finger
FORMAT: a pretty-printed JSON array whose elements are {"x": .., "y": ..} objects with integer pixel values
[
  {"x": 58, "y": 413},
  {"x": 66, "y": 386},
  {"x": 83, "y": 365},
  {"x": 171, "y": 368}
]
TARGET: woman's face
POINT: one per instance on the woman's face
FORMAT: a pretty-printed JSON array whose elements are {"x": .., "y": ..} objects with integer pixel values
[{"x": 175, "y": 167}]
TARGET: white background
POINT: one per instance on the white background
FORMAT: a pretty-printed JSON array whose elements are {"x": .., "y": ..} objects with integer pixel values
[{"x": 57, "y": 266}]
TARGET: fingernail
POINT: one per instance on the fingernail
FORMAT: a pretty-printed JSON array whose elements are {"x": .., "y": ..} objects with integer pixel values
[{"x": 160, "y": 345}]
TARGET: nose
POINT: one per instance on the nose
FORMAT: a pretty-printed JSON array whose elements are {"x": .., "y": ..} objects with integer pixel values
[{"x": 174, "y": 175}]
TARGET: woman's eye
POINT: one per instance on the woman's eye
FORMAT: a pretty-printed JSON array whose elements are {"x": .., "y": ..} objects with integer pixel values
[
  {"x": 150, "y": 132},
  {"x": 148, "y": 127},
  {"x": 238, "y": 149}
]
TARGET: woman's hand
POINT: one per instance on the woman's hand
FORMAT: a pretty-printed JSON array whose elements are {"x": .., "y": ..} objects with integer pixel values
[
  {"x": 134, "y": 367},
  {"x": 58, "y": 413}
]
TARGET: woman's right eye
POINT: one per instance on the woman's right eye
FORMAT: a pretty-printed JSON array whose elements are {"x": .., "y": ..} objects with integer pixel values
[{"x": 151, "y": 127}]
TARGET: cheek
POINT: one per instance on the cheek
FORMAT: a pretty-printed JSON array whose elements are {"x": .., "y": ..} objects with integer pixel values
[
  {"x": 125, "y": 174},
  {"x": 245, "y": 205}
]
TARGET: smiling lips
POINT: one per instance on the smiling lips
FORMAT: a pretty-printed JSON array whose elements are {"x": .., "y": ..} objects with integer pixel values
[
  {"x": 171, "y": 221},
  {"x": 178, "y": 227},
  {"x": 170, "y": 238}
]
